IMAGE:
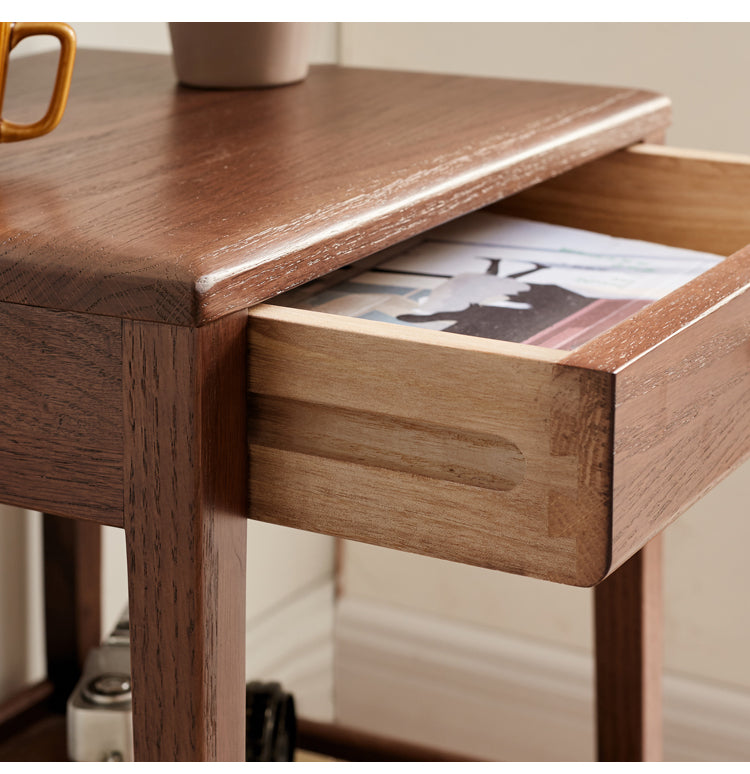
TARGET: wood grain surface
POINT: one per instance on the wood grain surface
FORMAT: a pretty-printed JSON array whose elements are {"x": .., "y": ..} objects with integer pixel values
[
  {"x": 61, "y": 413},
  {"x": 178, "y": 205},
  {"x": 467, "y": 449},
  {"x": 425, "y": 448},
  {"x": 629, "y": 620},
  {"x": 185, "y": 530}
]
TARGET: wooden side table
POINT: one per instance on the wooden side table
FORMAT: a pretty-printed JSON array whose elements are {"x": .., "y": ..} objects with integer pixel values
[{"x": 137, "y": 236}]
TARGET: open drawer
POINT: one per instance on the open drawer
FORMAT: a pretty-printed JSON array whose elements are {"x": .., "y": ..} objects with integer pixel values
[{"x": 554, "y": 464}]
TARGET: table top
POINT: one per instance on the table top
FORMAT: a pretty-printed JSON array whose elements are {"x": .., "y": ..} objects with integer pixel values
[{"x": 156, "y": 202}]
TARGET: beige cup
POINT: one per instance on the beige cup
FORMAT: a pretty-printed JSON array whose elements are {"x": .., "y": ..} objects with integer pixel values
[
  {"x": 237, "y": 55},
  {"x": 11, "y": 34}
]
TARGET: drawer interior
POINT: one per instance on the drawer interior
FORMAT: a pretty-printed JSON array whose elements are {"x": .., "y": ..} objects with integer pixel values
[
  {"x": 492, "y": 276},
  {"x": 691, "y": 199}
]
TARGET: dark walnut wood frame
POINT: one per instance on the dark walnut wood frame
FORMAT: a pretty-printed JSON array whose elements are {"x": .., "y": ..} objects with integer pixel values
[{"x": 137, "y": 390}]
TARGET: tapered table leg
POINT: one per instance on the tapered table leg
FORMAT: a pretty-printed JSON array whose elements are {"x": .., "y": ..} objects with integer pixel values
[
  {"x": 185, "y": 528},
  {"x": 72, "y": 599},
  {"x": 629, "y": 644}
]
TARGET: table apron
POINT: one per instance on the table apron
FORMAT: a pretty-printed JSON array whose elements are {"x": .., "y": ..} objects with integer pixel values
[{"x": 61, "y": 404}]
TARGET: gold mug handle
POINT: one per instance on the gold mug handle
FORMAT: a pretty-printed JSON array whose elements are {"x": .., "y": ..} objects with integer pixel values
[{"x": 12, "y": 132}]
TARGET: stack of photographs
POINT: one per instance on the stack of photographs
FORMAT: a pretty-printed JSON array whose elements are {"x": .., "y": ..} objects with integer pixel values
[{"x": 506, "y": 278}]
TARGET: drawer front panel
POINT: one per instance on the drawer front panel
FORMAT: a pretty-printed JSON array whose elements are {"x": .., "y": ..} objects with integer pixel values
[{"x": 435, "y": 444}]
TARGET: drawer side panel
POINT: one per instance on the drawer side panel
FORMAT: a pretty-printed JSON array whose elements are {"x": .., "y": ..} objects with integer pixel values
[{"x": 682, "y": 419}]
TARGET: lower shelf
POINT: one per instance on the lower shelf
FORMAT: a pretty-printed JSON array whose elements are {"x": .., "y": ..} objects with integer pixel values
[{"x": 43, "y": 740}]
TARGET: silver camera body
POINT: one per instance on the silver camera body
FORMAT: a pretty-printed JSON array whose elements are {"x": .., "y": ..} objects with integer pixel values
[
  {"x": 99, "y": 713},
  {"x": 100, "y": 716}
]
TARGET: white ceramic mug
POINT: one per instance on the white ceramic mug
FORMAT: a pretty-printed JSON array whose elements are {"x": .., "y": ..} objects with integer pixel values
[{"x": 236, "y": 55}]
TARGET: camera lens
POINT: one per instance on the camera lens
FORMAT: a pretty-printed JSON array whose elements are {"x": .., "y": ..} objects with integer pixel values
[{"x": 107, "y": 689}]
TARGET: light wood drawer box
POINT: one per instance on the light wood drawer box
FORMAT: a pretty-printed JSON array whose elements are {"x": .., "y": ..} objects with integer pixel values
[{"x": 553, "y": 464}]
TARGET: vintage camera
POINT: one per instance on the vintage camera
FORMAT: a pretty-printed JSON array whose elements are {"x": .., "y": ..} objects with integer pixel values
[{"x": 100, "y": 718}]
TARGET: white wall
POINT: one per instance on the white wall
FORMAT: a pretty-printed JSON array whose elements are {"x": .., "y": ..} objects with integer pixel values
[
  {"x": 280, "y": 561},
  {"x": 153, "y": 37},
  {"x": 703, "y": 67}
]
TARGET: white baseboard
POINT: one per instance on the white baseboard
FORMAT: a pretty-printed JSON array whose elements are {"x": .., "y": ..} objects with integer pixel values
[
  {"x": 293, "y": 644},
  {"x": 492, "y": 696}
]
